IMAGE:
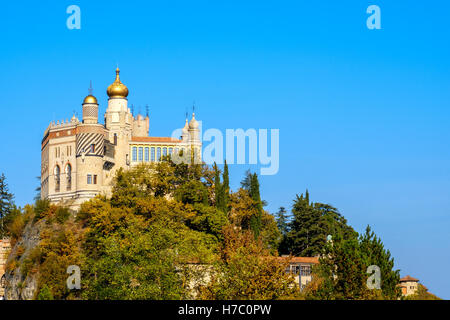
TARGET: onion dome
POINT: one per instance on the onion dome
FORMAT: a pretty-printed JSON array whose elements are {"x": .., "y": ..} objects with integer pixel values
[
  {"x": 117, "y": 89},
  {"x": 193, "y": 124}
]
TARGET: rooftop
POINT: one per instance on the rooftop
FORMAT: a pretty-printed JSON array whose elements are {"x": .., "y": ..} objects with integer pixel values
[{"x": 408, "y": 278}]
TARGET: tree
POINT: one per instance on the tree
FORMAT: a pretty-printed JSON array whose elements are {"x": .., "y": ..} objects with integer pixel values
[
  {"x": 311, "y": 224},
  {"x": 255, "y": 221},
  {"x": 226, "y": 188},
  {"x": 307, "y": 233},
  {"x": 218, "y": 189},
  {"x": 283, "y": 227},
  {"x": 282, "y": 221},
  {"x": 342, "y": 271},
  {"x": 375, "y": 254},
  {"x": 247, "y": 270},
  {"x": 6, "y": 203},
  {"x": 247, "y": 181}
]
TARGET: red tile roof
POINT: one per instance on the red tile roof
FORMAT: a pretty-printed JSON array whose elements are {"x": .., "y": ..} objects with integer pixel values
[
  {"x": 408, "y": 278},
  {"x": 154, "y": 139},
  {"x": 313, "y": 260}
]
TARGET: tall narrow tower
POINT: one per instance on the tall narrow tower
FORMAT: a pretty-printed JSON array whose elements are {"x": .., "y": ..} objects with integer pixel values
[
  {"x": 90, "y": 108},
  {"x": 119, "y": 121}
]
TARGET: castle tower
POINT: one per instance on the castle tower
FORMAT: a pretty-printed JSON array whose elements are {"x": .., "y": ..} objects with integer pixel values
[
  {"x": 90, "y": 108},
  {"x": 194, "y": 138},
  {"x": 90, "y": 139},
  {"x": 141, "y": 126},
  {"x": 119, "y": 121}
]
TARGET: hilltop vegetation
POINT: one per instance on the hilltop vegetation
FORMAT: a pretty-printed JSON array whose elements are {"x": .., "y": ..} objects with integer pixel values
[{"x": 173, "y": 231}]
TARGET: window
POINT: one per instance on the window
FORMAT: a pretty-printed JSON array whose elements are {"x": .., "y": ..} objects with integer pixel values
[
  {"x": 141, "y": 150},
  {"x": 69, "y": 176},
  {"x": 153, "y": 155},
  {"x": 95, "y": 179},
  {"x": 92, "y": 148},
  {"x": 89, "y": 179},
  {"x": 146, "y": 154},
  {"x": 306, "y": 270},
  {"x": 134, "y": 154},
  {"x": 295, "y": 269},
  {"x": 158, "y": 154},
  {"x": 164, "y": 152},
  {"x": 170, "y": 151},
  {"x": 57, "y": 178},
  {"x": 115, "y": 139}
]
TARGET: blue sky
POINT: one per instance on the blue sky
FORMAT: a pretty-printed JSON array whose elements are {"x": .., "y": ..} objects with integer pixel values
[{"x": 363, "y": 114}]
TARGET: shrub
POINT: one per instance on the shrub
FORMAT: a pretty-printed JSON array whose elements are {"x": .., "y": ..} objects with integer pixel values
[
  {"x": 40, "y": 207},
  {"x": 45, "y": 294},
  {"x": 62, "y": 214}
]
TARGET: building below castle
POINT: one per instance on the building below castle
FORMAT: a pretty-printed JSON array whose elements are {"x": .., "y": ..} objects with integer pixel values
[
  {"x": 5, "y": 247},
  {"x": 79, "y": 159},
  {"x": 409, "y": 285}
]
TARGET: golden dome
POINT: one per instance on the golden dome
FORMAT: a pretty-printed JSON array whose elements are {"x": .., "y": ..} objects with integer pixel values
[
  {"x": 90, "y": 99},
  {"x": 117, "y": 89}
]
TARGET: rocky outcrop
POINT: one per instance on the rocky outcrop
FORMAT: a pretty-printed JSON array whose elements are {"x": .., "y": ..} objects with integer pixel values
[{"x": 20, "y": 286}]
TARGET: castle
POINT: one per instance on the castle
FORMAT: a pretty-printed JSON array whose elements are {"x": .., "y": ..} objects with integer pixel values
[{"x": 79, "y": 158}]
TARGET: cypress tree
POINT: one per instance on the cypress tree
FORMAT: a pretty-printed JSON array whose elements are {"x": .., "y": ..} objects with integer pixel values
[
  {"x": 226, "y": 188},
  {"x": 256, "y": 220},
  {"x": 219, "y": 192}
]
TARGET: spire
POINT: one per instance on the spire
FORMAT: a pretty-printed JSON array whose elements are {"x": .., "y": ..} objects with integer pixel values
[{"x": 90, "y": 98}]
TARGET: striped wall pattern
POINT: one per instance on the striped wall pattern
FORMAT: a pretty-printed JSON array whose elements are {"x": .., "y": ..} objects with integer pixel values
[{"x": 85, "y": 140}]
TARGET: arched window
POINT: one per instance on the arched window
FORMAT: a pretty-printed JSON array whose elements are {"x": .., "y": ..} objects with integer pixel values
[
  {"x": 69, "y": 176},
  {"x": 57, "y": 178}
]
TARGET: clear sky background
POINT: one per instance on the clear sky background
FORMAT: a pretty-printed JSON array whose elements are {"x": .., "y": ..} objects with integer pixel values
[{"x": 363, "y": 114}]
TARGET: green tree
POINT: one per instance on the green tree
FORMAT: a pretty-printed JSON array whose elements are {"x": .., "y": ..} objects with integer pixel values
[
  {"x": 218, "y": 189},
  {"x": 375, "y": 254},
  {"x": 226, "y": 188},
  {"x": 283, "y": 227},
  {"x": 282, "y": 221},
  {"x": 307, "y": 233},
  {"x": 256, "y": 220},
  {"x": 342, "y": 271},
  {"x": 6, "y": 203},
  {"x": 311, "y": 224}
]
